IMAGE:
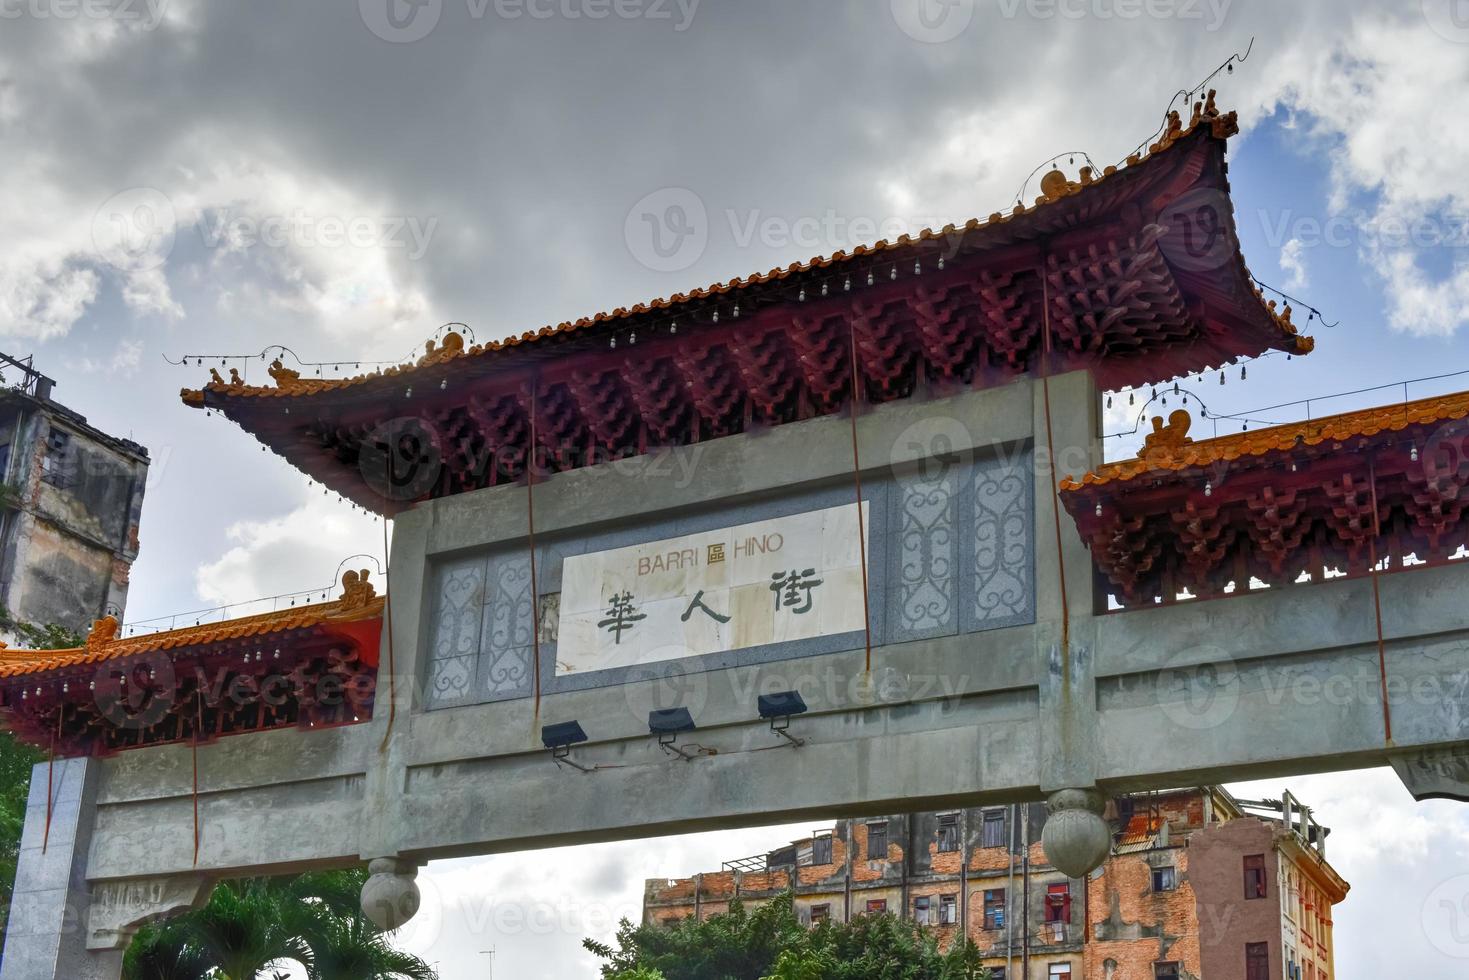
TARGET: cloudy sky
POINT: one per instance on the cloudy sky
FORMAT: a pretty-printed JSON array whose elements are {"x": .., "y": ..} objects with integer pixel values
[{"x": 343, "y": 177}]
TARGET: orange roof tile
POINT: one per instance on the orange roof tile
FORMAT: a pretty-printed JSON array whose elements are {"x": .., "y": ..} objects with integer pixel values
[
  {"x": 1170, "y": 449},
  {"x": 359, "y": 601},
  {"x": 1055, "y": 187}
]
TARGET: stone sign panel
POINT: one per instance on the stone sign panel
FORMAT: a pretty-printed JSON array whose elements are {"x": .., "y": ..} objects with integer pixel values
[{"x": 750, "y": 585}]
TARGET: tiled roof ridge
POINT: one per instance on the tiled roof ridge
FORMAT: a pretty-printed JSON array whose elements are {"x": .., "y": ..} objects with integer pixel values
[
  {"x": 1169, "y": 447},
  {"x": 1055, "y": 188},
  {"x": 359, "y": 601}
]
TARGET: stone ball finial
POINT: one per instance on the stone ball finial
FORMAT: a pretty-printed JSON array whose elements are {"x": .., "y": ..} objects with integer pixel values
[
  {"x": 390, "y": 898},
  {"x": 1076, "y": 838}
]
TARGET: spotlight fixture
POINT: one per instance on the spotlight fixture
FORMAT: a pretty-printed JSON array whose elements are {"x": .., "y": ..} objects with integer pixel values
[
  {"x": 560, "y": 738},
  {"x": 667, "y": 723},
  {"x": 779, "y": 709}
]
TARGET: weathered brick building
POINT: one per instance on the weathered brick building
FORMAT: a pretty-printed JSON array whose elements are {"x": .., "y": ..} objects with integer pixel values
[
  {"x": 70, "y": 501},
  {"x": 1182, "y": 895}
]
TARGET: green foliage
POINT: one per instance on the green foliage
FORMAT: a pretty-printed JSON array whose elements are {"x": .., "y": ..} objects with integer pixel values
[
  {"x": 33, "y": 637},
  {"x": 11, "y": 497},
  {"x": 771, "y": 944},
  {"x": 249, "y": 925},
  {"x": 16, "y": 761}
]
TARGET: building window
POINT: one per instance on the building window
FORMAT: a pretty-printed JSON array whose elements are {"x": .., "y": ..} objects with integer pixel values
[
  {"x": 994, "y": 909},
  {"x": 1060, "y": 971},
  {"x": 923, "y": 911},
  {"x": 948, "y": 833},
  {"x": 1257, "y": 961},
  {"x": 1058, "y": 903},
  {"x": 877, "y": 841},
  {"x": 1255, "y": 876},
  {"x": 948, "y": 910},
  {"x": 994, "y": 829},
  {"x": 1165, "y": 971},
  {"x": 1164, "y": 879},
  {"x": 820, "y": 914},
  {"x": 877, "y": 906},
  {"x": 821, "y": 850},
  {"x": 997, "y": 973}
]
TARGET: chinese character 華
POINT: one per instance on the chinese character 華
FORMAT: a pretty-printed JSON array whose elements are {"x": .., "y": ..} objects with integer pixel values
[{"x": 620, "y": 616}]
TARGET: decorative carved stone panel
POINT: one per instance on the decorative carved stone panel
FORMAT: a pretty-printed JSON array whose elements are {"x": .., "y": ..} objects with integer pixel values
[
  {"x": 924, "y": 570},
  {"x": 454, "y": 641},
  {"x": 1001, "y": 588},
  {"x": 506, "y": 645},
  {"x": 961, "y": 554}
]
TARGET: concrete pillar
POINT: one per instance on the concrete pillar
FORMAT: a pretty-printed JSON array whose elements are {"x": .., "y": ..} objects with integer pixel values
[
  {"x": 1067, "y": 444},
  {"x": 46, "y": 938}
]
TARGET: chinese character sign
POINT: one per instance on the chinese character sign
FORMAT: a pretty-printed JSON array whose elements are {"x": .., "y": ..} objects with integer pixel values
[{"x": 789, "y": 578}]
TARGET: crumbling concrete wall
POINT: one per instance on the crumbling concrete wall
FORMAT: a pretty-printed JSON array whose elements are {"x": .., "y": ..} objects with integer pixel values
[
  {"x": 1133, "y": 927},
  {"x": 1227, "y": 922},
  {"x": 71, "y": 526}
]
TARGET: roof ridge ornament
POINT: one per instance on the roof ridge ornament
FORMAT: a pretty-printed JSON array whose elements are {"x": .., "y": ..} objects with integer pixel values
[
  {"x": 104, "y": 631},
  {"x": 285, "y": 378},
  {"x": 357, "y": 592},
  {"x": 1167, "y": 440}
]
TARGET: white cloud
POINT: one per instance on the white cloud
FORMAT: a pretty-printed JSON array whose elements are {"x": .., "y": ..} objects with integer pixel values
[
  {"x": 1293, "y": 262},
  {"x": 1418, "y": 303},
  {"x": 1383, "y": 99},
  {"x": 294, "y": 552}
]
